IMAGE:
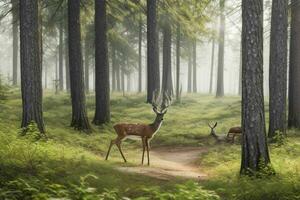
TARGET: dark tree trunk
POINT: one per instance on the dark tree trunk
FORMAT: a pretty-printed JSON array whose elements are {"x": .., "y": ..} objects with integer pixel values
[
  {"x": 67, "y": 66},
  {"x": 212, "y": 66},
  {"x": 278, "y": 67},
  {"x": 102, "y": 112},
  {"x": 61, "y": 46},
  {"x": 167, "y": 85},
  {"x": 220, "y": 79},
  {"x": 15, "y": 29},
  {"x": 189, "y": 79},
  {"x": 294, "y": 71},
  {"x": 87, "y": 48},
  {"x": 153, "y": 80},
  {"x": 79, "y": 115},
  {"x": 194, "y": 66},
  {"x": 31, "y": 72},
  {"x": 255, "y": 153},
  {"x": 140, "y": 54},
  {"x": 178, "y": 54}
]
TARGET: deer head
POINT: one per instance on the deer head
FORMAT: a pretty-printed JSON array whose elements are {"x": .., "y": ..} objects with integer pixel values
[
  {"x": 160, "y": 106},
  {"x": 212, "y": 131}
]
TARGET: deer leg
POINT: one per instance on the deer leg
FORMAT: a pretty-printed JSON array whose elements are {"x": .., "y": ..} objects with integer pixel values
[
  {"x": 143, "y": 142},
  {"x": 118, "y": 143},
  {"x": 147, "y": 145},
  {"x": 111, "y": 143}
]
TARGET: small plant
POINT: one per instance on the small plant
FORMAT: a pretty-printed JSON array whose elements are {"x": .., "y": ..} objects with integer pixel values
[
  {"x": 32, "y": 132},
  {"x": 279, "y": 139}
]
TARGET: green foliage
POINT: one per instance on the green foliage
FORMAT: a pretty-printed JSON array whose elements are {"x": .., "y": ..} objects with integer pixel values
[
  {"x": 58, "y": 167},
  {"x": 187, "y": 191},
  {"x": 32, "y": 132},
  {"x": 279, "y": 139},
  {"x": 3, "y": 89}
]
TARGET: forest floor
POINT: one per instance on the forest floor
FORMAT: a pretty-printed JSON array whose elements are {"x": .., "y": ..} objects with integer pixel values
[
  {"x": 169, "y": 163},
  {"x": 71, "y": 165}
]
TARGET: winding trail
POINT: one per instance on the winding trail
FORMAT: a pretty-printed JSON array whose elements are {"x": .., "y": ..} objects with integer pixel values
[{"x": 168, "y": 163}]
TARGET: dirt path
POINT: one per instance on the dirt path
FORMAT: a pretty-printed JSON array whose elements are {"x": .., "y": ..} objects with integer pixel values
[{"x": 167, "y": 163}]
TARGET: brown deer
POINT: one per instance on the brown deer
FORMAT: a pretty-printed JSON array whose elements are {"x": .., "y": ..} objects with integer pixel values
[
  {"x": 232, "y": 133},
  {"x": 144, "y": 131}
]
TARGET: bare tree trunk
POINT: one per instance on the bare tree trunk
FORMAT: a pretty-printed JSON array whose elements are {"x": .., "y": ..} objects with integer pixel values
[
  {"x": 167, "y": 84},
  {"x": 67, "y": 67},
  {"x": 79, "y": 114},
  {"x": 140, "y": 54},
  {"x": 194, "y": 66},
  {"x": 255, "y": 154},
  {"x": 87, "y": 64},
  {"x": 212, "y": 66},
  {"x": 102, "y": 111},
  {"x": 113, "y": 66},
  {"x": 61, "y": 75},
  {"x": 220, "y": 80},
  {"x": 153, "y": 80},
  {"x": 278, "y": 67},
  {"x": 178, "y": 54},
  {"x": 31, "y": 72},
  {"x": 189, "y": 79},
  {"x": 294, "y": 71},
  {"x": 15, "y": 29}
]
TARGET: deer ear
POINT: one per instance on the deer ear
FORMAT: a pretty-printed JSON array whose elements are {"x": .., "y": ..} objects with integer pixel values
[
  {"x": 154, "y": 109},
  {"x": 164, "y": 112}
]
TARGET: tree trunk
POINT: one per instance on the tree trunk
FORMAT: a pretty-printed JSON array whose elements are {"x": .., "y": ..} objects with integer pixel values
[
  {"x": 79, "y": 116},
  {"x": 212, "y": 66},
  {"x": 153, "y": 80},
  {"x": 255, "y": 154},
  {"x": 194, "y": 67},
  {"x": 123, "y": 81},
  {"x": 220, "y": 80},
  {"x": 102, "y": 112},
  {"x": 294, "y": 71},
  {"x": 278, "y": 67},
  {"x": 87, "y": 64},
  {"x": 61, "y": 75},
  {"x": 140, "y": 54},
  {"x": 167, "y": 85},
  {"x": 67, "y": 66},
  {"x": 128, "y": 82},
  {"x": 31, "y": 72},
  {"x": 15, "y": 29},
  {"x": 178, "y": 54},
  {"x": 189, "y": 79},
  {"x": 113, "y": 66},
  {"x": 240, "y": 72}
]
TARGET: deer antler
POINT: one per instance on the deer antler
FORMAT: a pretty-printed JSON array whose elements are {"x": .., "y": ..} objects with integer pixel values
[{"x": 167, "y": 101}]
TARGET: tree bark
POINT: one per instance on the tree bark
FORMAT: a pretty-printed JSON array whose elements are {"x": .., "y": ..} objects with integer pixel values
[
  {"x": 153, "y": 80},
  {"x": 189, "y": 79},
  {"x": 220, "y": 80},
  {"x": 194, "y": 66},
  {"x": 278, "y": 67},
  {"x": 67, "y": 65},
  {"x": 140, "y": 54},
  {"x": 167, "y": 84},
  {"x": 212, "y": 66},
  {"x": 102, "y": 112},
  {"x": 294, "y": 71},
  {"x": 87, "y": 64},
  {"x": 15, "y": 29},
  {"x": 178, "y": 54},
  {"x": 61, "y": 75},
  {"x": 79, "y": 115},
  {"x": 255, "y": 154},
  {"x": 113, "y": 66},
  {"x": 31, "y": 72}
]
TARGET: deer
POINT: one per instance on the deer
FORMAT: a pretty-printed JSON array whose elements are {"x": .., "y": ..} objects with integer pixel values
[
  {"x": 145, "y": 132},
  {"x": 232, "y": 133}
]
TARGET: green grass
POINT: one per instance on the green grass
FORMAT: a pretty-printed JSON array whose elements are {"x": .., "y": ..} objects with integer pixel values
[{"x": 69, "y": 155}]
